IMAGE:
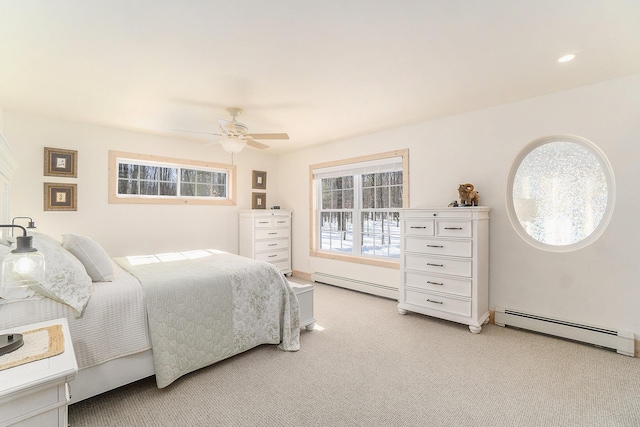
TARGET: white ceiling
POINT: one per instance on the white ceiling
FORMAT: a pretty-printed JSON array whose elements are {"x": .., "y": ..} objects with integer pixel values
[{"x": 320, "y": 70}]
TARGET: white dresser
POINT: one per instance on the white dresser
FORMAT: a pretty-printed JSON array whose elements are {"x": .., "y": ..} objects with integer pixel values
[
  {"x": 445, "y": 264},
  {"x": 265, "y": 235},
  {"x": 37, "y": 393}
]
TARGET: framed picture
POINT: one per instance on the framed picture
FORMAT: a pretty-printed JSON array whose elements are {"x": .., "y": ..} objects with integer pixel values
[
  {"x": 60, "y": 197},
  {"x": 59, "y": 162},
  {"x": 259, "y": 180},
  {"x": 258, "y": 200}
]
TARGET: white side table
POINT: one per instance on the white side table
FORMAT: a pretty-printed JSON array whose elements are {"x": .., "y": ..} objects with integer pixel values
[{"x": 37, "y": 393}]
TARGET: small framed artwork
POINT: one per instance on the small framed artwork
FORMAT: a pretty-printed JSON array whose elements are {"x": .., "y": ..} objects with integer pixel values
[
  {"x": 258, "y": 200},
  {"x": 60, "y": 197},
  {"x": 259, "y": 180},
  {"x": 59, "y": 162}
]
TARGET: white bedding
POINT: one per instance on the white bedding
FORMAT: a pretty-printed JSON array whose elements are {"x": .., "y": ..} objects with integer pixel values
[
  {"x": 204, "y": 306},
  {"x": 113, "y": 324}
]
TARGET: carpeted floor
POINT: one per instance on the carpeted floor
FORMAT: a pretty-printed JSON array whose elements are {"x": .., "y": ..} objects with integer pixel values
[{"x": 366, "y": 365}]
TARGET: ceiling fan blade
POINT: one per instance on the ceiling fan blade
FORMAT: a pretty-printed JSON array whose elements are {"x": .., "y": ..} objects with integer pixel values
[
  {"x": 195, "y": 131},
  {"x": 268, "y": 135},
  {"x": 255, "y": 144}
]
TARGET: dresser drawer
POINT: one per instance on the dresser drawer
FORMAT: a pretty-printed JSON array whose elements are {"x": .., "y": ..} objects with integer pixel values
[
  {"x": 272, "y": 233},
  {"x": 281, "y": 221},
  {"x": 425, "y": 245},
  {"x": 460, "y": 307},
  {"x": 419, "y": 227},
  {"x": 454, "y": 228},
  {"x": 449, "y": 285},
  {"x": 274, "y": 256},
  {"x": 263, "y": 222},
  {"x": 455, "y": 266},
  {"x": 269, "y": 245}
]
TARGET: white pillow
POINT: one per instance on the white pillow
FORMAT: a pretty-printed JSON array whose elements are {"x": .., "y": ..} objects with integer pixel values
[
  {"x": 95, "y": 260},
  {"x": 66, "y": 279}
]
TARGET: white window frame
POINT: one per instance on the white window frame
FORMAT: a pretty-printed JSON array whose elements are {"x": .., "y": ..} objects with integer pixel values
[
  {"x": 351, "y": 165},
  {"x": 611, "y": 193},
  {"x": 117, "y": 157}
]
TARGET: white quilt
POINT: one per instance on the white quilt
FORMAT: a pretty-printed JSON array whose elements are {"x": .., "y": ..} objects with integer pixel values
[{"x": 205, "y": 306}]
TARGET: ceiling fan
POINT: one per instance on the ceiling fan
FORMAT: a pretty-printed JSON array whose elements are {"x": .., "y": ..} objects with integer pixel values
[{"x": 235, "y": 135}]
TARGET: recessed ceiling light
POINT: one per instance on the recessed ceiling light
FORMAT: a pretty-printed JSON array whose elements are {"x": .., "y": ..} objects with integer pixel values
[{"x": 567, "y": 58}]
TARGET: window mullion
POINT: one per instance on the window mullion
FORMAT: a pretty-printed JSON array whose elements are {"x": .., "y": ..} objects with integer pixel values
[{"x": 356, "y": 213}]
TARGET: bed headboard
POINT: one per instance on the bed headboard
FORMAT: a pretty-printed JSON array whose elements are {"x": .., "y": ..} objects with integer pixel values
[{"x": 8, "y": 165}]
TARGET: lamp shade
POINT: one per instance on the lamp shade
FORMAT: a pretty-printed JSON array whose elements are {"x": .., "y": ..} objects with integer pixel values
[
  {"x": 21, "y": 268},
  {"x": 233, "y": 145}
]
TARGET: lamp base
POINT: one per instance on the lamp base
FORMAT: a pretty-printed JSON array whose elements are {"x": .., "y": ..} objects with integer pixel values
[{"x": 10, "y": 342}]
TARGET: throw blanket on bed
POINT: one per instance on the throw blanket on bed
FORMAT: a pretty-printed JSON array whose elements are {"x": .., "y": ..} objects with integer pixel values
[{"x": 205, "y": 306}]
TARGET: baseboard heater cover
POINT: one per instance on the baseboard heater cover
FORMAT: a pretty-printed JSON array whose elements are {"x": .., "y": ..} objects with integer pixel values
[
  {"x": 620, "y": 341},
  {"x": 358, "y": 285}
]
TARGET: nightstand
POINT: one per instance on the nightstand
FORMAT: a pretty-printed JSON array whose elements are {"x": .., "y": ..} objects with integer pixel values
[{"x": 37, "y": 393}]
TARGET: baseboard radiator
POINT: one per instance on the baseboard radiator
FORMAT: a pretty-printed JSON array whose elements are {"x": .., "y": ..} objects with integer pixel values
[
  {"x": 356, "y": 285},
  {"x": 619, "y": 341}
]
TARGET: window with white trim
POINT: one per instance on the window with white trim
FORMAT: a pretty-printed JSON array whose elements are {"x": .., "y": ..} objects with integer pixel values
[
  {"x": 560, "y": 193},
  {"x": 138, "y": 178},
  {"x": 357, "y": 206}
]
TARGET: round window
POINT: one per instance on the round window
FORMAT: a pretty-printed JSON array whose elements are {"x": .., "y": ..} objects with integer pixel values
[{"x": 560, "y": 193}]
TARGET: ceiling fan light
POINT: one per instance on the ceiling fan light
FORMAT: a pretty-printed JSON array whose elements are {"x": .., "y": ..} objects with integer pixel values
[{"x": 233, "y": 145}]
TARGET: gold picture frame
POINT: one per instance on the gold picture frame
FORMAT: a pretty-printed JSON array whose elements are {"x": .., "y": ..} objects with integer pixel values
[
  {"x": 259, "y": 180},
  {"x": 60, "y": 197},
  {"x": 60, "y": 162},
  {"x": 258, "y": 200}
]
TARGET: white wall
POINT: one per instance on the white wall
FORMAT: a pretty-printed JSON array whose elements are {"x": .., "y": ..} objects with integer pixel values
[
  {"x": 598, "y": 284},
  {"x": 124, "y": 229}
]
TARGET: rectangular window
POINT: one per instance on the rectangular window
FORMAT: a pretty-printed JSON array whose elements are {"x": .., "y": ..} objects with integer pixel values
[
  {"x": 357, "y": 207},
  {"x": 136, "y": 178}
]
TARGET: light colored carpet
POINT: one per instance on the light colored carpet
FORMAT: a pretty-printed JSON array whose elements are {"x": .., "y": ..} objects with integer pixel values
[{"x": 370, "y": 366}]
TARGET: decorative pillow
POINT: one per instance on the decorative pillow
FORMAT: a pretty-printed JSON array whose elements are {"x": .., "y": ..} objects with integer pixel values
[
  {"x": 66, "y": 279},
  {"x": 95, "y": 260}
]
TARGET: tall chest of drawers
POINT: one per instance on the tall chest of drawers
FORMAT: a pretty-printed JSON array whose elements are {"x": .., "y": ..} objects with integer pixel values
[
  {"x": 265, "y": 235},
  {"x": 445, "y": 264}
]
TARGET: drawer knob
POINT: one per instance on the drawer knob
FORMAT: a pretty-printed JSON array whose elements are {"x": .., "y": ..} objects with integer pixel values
[
  {"x": 453, "y": 228},
  {"x": 272, "y": 256},
  {"x": 415, "y": 226},
  {"x": 270, "y": 234},
  {"x": 435, "y": 283},
  {"x": 435, "y": 302},
  {"x": 435, "y": 246},
  {"x": 435, "y": 265},
  {"x": 273, "y": 244}
]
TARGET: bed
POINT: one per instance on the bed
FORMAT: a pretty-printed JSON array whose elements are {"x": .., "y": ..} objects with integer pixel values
[{"x": 164, "y": 315}]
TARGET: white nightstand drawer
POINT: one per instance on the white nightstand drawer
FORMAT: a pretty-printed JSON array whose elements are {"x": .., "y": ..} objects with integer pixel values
[
  {"x": 425, "y": 245},
  {"x": 455, "y": 266},
  {"x": 419, "y": 227},
  {"x": 460, "y": 307},
  {"x": 269, "y": 245},
  {"x": 454, "y": 229},
  {"x": 450, "y": 285},
  {"x": 272, "y": 233},
  {"x": 273, "y": 257},
  {"x": 26, "y": 403}
]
